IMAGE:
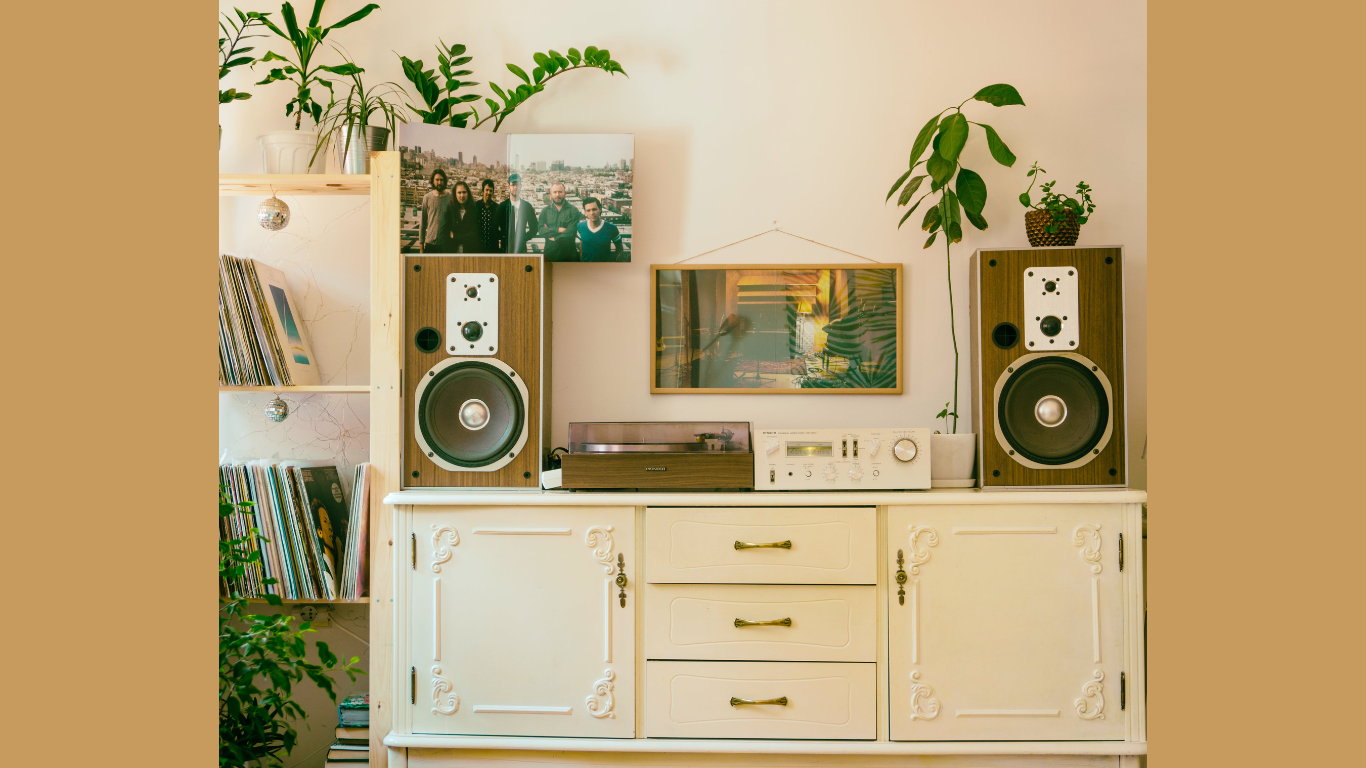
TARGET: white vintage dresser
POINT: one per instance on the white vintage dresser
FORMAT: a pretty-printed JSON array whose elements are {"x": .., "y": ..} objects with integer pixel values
[{"x": 927, "y": 628}]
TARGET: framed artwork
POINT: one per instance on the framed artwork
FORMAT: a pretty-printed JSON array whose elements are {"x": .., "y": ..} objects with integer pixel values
[{"x": 766, "y": 329}]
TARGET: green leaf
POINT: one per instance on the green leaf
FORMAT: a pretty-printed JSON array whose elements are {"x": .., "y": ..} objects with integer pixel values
[
  {"x": 932, "y": 219},
  {"x": 498, "y": 90},
  {"x": 909, "y": 190},
  {"x": 951, "y": 206},
  {"x": 898, "y": 184},
  {"x": 551, "y": 65},
  {"x": 357, "y": 16},
  {"x": 975, "y": 218},
  {"x": 941, "y": 170},
  {"x": 516, "y": 70},
  {"x": 538, "y": 74},
  {"x": 955, "y": 232},
  {"x": 954, "y": 134},
  {"x": 999, "y": 95},
  {"x": 590, "y": 53},
  {"x": 998, "y": 148},
  {"x": 493, "y": 105},
  {"x": 574, "y": 56},
  {"x": 971, "y": 190},
  {"x": 1024, "y": 199},
  {"x": 909, "y": 212},
  {"x": 541, "y": 59},
  {"x": 922, "y": 140},
  {"x": 930, "y": 242}
]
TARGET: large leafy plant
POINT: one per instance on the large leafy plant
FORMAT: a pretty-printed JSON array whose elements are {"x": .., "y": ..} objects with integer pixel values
[
  {"x": 231, "y": 53},
  {"x": 1058, "y": 205},
  {"x": 945, "y": 137},
  {"x": 442, "y": 95},
  {"x": 360, "y": 105},
  {"x": 301, "y": 70},
  {"x": 260, "y": 659}
]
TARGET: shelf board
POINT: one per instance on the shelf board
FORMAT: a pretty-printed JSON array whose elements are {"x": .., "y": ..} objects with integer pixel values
[
  {"x": 264, "y": 184},
  {"x": 361, "y": 601},
  {"x": 333, "y": 389}
]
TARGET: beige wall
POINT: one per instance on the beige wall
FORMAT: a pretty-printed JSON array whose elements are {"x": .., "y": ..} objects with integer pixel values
[{"x": 800, "y": 112}]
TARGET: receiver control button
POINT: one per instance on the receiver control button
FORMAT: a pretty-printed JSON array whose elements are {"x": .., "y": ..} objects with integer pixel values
[
  {"x": 873, "y": 445},
  {"x": 856, "y": 472},
  {"x": 905, "y": 449},
  {"x": 830, "y": 471}
]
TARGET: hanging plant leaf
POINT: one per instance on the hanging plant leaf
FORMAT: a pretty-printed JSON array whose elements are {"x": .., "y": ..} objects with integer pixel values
[
  {"x": 953, "y": 135},
  {"x": 971, "y": 190},
  {"x": 999, "y": 95},
  {"x": 922, "y": 140},
  {"x": 998, "y": 148}
]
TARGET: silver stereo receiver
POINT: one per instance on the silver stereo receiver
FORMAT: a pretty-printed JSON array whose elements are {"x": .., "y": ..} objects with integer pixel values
[{"x": 841, "y": 459}]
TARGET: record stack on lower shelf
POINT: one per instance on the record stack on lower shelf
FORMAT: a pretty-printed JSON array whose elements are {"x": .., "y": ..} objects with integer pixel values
[
  {"x": 262, "y": 339},
  {"x": 312, "y": 542},
  {"x": 350, "y": 750}
]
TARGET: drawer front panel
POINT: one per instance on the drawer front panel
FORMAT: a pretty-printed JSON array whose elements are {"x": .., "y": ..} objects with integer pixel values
[
  {"x": 833, "y": 545},
  {"x": 699, "y": 621},
  {"x": 693, "y": 699}
]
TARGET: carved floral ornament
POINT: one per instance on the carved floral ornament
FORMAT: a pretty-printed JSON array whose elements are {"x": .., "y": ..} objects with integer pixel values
[
  {"x": 921, "y": 691},
  {"x": 1091, "y": 554},
  {"x": 599, "y": 537},
  {"x": 444, "y": 699},
  {"x": 603, "y": 689},
  {"x": 441, "y": 553},
  {"x": 1092, "y": 693},
  {"x": 921, "y": 556}
]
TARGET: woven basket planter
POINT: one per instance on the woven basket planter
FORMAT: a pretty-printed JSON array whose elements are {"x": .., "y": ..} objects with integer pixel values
[{"x": 1036, "y": 226}]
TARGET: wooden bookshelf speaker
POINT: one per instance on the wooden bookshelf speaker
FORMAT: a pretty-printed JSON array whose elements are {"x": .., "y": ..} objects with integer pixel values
[
  {"x": 475, "y": 371},
  {"x": 1048, "y": 367}
]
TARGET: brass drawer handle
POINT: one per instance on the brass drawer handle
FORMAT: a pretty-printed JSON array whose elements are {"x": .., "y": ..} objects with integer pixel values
[
  {"x": 774, "y": 545},
  {"x": 774, "y": 623},
  {"x": 781, "y": 701}
]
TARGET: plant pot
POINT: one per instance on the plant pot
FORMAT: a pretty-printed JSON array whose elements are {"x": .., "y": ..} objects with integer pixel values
[
  {"x": 952, "y": 460},
  {"x": 1037, "y": 223},
  {"x": 290, "y": 152},
  {"x": 354, "y": 144}
]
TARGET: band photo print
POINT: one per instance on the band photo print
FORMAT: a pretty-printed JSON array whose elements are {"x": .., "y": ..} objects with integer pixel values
[{"x": 566, "y": 196}]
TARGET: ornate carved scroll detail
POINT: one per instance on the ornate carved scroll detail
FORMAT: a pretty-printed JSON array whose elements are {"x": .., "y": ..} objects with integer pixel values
[
  {"x": 444, "y": 699},
  {"x": 603, "y": 689},
  {"x": 920, "y": 691},
  {"x": 599, "y": 537},
  {"x": 441, "y": 552},
  {"x": 1090, "y": 554},
  {"x": 921, "y": 556},
  {"x": 1092, "y": 689}
]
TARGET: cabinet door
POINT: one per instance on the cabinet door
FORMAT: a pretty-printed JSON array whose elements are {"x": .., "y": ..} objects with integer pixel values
[
  {"x": 517, "y": 626},
  {"x": 1011, "y": 625}
]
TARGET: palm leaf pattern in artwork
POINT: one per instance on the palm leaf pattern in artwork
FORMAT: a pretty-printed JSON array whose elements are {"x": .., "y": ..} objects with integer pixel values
[{"x": 869, "y": 331}]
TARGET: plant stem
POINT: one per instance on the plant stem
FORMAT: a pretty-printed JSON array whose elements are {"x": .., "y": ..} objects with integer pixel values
[
  {"x": 550, "y": 77},
  {"x": 953, "y": 331}
]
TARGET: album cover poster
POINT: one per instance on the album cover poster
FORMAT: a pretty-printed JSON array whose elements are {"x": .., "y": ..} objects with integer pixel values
[
  {"x": 288, "y": 326},
  {"x": 568, "y": 197},
  {"x": 328, "y": 512}
]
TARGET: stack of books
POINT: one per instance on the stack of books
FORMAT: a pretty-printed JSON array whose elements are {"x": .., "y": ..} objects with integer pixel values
[
  {"x": 262, "y": 340},
  {"x": 351, "y": 749},
  {"x": 315, "y": 542}
]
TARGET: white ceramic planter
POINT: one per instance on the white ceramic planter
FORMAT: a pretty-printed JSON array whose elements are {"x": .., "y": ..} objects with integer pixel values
[
  {"x": 290, "y": 151},
  {"x": 952, "y": 460}
]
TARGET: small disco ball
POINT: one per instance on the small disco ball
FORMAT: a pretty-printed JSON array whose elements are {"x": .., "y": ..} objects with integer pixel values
[
  {"x": 273, "y": 214},
  {"x": 277, "y": 410}
]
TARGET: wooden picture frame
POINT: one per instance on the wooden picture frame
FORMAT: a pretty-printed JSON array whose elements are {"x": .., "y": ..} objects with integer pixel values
[{"x": 700, "y": 336}]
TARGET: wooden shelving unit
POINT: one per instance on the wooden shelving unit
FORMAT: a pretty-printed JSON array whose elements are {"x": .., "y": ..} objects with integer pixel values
[
  {"x": 386, "y": 421},
  {"x": 325, "y": 389},
  {"x": 361, "y": 601},
  {"x": 266, "y": 184}
]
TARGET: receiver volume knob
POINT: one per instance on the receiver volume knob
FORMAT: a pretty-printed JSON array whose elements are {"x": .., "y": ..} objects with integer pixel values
[
  {"x": 856, "y": 472},
  {"x": 905, "y": 449}
]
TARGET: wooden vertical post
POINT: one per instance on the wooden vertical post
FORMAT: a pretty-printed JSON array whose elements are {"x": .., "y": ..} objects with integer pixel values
[{"x": 386, "y": 440}]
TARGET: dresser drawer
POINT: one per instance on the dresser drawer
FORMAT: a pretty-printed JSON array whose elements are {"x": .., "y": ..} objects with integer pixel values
[
  {"x": 699, "y": 621},
  {"x": 692, "y": 699},
  {"x": 822, "y": 545}
]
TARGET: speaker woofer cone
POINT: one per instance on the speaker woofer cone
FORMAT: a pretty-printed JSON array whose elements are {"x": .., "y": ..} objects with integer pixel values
[
  {"x": 471, "y": 414},
  {"x": 1053, "y": 411}
]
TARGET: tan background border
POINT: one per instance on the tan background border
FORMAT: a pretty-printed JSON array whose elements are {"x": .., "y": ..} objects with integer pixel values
[{"x": 108, "y": 329}]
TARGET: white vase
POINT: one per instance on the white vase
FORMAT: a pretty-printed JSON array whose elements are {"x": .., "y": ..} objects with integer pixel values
[
  {"x": 291, "y": 151},
  {"x": 952, "y": 460}
]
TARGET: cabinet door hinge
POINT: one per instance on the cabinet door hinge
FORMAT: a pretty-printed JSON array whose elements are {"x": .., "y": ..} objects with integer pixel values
[
  {"x": 1121, "y": 556},
  {"x": 414, "y": 548},
  {"x": 412, "y": 688},
  {"x": 1121, "y": 691}
]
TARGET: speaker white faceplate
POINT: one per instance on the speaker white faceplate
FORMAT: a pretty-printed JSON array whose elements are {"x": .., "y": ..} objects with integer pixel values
[
  {"x": 841, "y": 459},
  {"x": 1051, "y": 320},
  {"x": 471, "y": 314}
]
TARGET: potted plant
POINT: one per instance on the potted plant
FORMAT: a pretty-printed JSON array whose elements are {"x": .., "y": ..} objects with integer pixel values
[
  {"x": 945, "y": 137},
  {"x": 232, "y": 54},
  {"x": 1056, "y": 219},
  {"x": 347, "y": 122},
  {"x": 296, "y": 151},
  {"x": 260, "y": 656}
]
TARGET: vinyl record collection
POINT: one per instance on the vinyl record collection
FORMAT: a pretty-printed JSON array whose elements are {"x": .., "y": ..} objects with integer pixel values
[
  {"x": 314, "y": 542},
  {"x": 261, "y": 337}
]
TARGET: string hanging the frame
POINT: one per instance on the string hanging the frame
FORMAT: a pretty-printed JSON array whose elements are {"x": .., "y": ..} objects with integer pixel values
[{"x": 780, "y": 231}]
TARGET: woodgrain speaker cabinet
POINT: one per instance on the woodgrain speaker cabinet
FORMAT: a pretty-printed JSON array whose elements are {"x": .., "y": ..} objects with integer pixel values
[
  {"x": 475, "y": 371},
  {"x": 1048, "y": 394}
]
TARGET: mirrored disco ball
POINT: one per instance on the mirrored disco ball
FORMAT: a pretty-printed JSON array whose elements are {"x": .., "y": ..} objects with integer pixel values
[
  {"x": 273, "y": 214},
  {"x": 277, "y": 410}
]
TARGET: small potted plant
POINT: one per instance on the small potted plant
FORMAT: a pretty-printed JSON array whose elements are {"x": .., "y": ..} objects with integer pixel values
[
  {"x": 295, "y": 151},
  {"x": 232, "y": 54},
  {"x": 347, "y": 122},
  {"x": 1057, "y": 218}
]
